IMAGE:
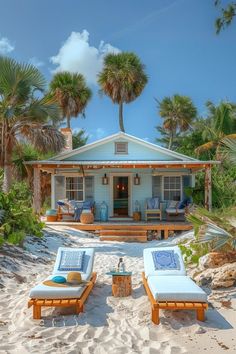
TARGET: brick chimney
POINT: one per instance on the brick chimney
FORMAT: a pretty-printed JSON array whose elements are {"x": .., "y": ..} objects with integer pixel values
[{"x": 67, "y": 132}]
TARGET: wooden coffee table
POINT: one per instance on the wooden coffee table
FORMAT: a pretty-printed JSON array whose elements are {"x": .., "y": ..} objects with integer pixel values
[{"x": 121, "y": 283}]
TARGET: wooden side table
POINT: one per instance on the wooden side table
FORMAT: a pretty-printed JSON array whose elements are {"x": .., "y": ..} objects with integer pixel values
[{"x": 121, "y": 284}]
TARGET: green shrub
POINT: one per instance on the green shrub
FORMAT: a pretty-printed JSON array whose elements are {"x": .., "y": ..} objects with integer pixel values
[
  {"x": 192, "y": 252},
  {"x": 17, "y": 218},
  {"x": 223, "y": 187}
]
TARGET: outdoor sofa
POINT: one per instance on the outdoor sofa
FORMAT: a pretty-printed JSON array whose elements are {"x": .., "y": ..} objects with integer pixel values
[{"x": 74, "y": 208}]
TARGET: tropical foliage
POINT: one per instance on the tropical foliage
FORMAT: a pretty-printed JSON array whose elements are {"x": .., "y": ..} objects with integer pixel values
[
  {"x": 79, "y": 138},
  {"x": 214, "y": 228},
  {"x": 219, "y": 124},
  {"x": 71, "y": 93},
  {"x": 227, "y": 15},
  {"x": 178, "y": 113},
  {"x": 24, "y": 113},
  {"x": 122, "y": 79},
  {"x": 227, "y": 150},
  {"x": 17, "y": 219}
]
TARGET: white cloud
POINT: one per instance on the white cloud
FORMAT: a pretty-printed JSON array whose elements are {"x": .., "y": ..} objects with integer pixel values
[
  {"x": 100, "y": 133},
  {"x": 36, "y": 62},
  {"x": 5, "y": 46},
  {"x": 97, "y": 134},
  {"x": 77, "y": 55}
]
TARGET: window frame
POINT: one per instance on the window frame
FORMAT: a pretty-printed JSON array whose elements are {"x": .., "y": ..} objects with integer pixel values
[
  {"x": 172, "y": 189},
  {"x": 123, "y": 152},
  {"x": 75, "y": 190}
]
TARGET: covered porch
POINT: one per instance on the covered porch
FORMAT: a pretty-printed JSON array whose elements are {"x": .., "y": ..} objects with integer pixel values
[{"x": 111, "y": 181}]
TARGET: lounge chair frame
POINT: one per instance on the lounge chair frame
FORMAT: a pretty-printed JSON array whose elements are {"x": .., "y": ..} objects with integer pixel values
[
  {"x": 77, "y": 302},
  {"x": 199, "y": 307}
]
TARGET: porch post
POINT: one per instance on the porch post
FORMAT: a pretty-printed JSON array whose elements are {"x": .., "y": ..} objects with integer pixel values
[
  {"x": 37, "y": 191},
  {"x": 53, "y": 201},
  {"x": 208, "y": 192}
]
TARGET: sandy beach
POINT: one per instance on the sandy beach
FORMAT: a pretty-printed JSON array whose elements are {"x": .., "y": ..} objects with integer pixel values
[{"x": 108, "y": 325}]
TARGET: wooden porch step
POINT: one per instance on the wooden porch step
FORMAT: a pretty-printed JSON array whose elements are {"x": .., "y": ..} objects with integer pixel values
[
  {"x": 123, "y": 232},
  {"x": 123, "y": 235},
  {"x": 124, "y": 238}
]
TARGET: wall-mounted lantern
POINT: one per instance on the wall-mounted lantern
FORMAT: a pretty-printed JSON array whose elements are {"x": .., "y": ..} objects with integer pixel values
[
  {"x": 137, "y": 180},
  {"x": 105, "y": 180}
]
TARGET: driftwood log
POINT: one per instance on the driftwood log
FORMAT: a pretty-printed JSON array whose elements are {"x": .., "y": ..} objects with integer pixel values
[{"x": 121, "y": 285}]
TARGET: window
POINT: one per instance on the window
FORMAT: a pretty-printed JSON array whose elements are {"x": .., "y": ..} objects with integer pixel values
[
  {"x": 121, "y": 148},
  {"x": 172, "y": 188},
  {"x": 75, "y": 188}
]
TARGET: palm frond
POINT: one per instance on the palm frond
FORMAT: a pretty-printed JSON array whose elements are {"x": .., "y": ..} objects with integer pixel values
[
  {"x": 17, "y": 81},
  {"x": 123, "y": 77},
  {"x": 44, "y": 138},
  {"x": 207, "y": 228},
  {"x": 70, "y": 91},
  {"x": 205, "y": 147},
  {"x": 227, "y": 149}
]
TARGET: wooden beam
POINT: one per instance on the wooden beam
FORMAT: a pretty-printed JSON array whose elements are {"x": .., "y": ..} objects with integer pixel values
[
  {"x": 37, "y": 191},
  {"x": 129, "y": 166},
  {"x": 208, "y": 189}
]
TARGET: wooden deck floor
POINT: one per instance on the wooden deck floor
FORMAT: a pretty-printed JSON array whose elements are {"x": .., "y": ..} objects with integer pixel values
[{"x": 116, "y": 227}]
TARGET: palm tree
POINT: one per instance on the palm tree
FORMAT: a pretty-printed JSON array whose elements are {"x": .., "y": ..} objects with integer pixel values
[
  {"x": 71, "y": 93},
  {"x": 220, "y": 124},
  {"x": 122, "y": 79},
  {"x": 178, "y": 113},
  {"x": 23, "y": 114}
]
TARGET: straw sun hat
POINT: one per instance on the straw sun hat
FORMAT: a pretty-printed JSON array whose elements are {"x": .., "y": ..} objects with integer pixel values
[{"x": 74, "y": 278}]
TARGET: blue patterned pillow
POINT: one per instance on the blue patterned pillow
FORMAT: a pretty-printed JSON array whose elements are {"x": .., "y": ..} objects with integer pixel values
[
  {"x": 165, "y": 260},
  {"x": 71, "y": 261}
]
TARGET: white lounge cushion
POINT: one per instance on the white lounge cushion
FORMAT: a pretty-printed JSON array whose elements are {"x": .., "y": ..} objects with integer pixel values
[
  {"x": 174, "y": 211},
  {"x": 172, "y": 288},
  {"x": 42, "y": 291},
  {"x": 88, "y": 260},
  {"x": 149, "y": 267}
]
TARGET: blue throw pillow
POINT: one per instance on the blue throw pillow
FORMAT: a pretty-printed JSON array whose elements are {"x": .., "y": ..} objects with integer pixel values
[
  {"x": 181, "y": 205},
  {"x": 71, "y": 261},
  {"x": 150, "y": 203},
  {"x": 165, "y": 260},
  {"x": 59, "y": 279},
  {"x": 87, "y": 204}
]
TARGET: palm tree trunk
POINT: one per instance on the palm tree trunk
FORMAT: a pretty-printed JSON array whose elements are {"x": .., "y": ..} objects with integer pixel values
[
  {"x": 68, "y": 121},
  {"x": 7, "y": 166},
  {"x": 2, "y": 144},
  {"x": 121, "y": 122},
  {"x": 171, "y": 139}
]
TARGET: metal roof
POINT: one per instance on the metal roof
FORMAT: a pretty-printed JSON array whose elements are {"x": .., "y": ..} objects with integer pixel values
[{"x": 120, "y": 162}]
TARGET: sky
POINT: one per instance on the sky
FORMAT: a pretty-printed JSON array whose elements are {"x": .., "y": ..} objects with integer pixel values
[{"x": 175, "y": 40}]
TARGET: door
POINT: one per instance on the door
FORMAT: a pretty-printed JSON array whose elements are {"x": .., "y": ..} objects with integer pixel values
[{"x": 120, "y": 196}]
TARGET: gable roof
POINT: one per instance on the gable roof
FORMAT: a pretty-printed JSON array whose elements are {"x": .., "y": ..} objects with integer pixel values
[{"x": 121, "y": 135}]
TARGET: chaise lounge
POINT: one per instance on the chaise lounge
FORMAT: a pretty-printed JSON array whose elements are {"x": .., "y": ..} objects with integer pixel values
[
  {"x": 53, "y": 294},
  {"x": 167, "y": 285}
]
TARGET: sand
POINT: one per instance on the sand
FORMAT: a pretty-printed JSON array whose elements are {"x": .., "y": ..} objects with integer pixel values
[{"x": 108, "y": 325}]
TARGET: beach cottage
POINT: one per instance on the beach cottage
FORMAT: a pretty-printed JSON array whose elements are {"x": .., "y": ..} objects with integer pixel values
[{"x": 122, "y": 171}]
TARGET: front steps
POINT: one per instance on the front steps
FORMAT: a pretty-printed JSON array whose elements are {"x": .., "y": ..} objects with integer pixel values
[{"x": 124, "y": 235}]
